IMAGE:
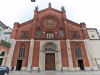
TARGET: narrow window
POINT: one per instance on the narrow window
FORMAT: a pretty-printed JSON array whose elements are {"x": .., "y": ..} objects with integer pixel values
[
  {"x": 50, "y": 35},
  {"x": 78, "y": 52},
  {"x": 61, "y": 33},
  {"x": 38, "y": 32},
  {"x": 5, "y": 38},
  {"x": 21, "y": 52}
]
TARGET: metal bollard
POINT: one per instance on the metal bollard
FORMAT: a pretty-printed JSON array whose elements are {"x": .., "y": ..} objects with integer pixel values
[
  {"x": 38, "y": 69},
  {"x": 61, "y": 69},
  {"x": 31, "y": 69}
]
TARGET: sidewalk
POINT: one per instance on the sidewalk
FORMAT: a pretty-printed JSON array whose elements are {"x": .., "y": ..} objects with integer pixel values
[{"x": 55, "y": 73}]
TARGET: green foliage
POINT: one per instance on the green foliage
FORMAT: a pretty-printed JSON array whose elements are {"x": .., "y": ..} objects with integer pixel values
[{"x": 2, "y": 42}]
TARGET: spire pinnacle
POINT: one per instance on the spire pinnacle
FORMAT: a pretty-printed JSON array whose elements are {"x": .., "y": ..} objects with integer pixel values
[
  {"x": 36, "y": 8},
  {"x": 62, "y": 8},
  {"x": 49, "y": 5}
]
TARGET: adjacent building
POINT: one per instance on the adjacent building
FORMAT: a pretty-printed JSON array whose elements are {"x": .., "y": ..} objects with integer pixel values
[
  {"x": 5, "y": 33},
  {"x": 95, "y": 44}
]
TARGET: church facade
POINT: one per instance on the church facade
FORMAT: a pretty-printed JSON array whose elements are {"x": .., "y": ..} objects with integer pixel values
[{"x": 50, "y": 41}]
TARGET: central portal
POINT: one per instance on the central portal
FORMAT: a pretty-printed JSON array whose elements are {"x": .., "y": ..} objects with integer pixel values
[{"x": 50, "y": 61}]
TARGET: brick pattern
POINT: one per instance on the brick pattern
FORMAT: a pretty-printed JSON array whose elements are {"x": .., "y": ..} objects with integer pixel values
[
  {"x": 16, "y": 52},
  {"x": 61, "y": 23},
  {"x": 2, "y": 47},
  {"x": 83, "y": 51},
  {"x": 64, "y": 55},
  {"x": 35, "y": 61}
]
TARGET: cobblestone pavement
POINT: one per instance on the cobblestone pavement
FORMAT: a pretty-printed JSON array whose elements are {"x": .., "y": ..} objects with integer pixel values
[{"x": 55, "y": 73}]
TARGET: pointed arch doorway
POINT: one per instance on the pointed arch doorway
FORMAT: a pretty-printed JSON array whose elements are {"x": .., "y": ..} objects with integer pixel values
[
  {"x": 50, "y": 55},
  {"x": 50, "y": 52},
  {"x": 3, "y": 55}
]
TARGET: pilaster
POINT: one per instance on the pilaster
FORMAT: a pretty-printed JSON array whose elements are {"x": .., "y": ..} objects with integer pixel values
[
  {"x": 11, "y": 51},
  {"x": 69, "y": 55},
  {"x": 30, "y": 57}
]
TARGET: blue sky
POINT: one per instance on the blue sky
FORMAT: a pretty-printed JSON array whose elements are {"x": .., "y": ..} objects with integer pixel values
[{"x": 87, "y": 11}]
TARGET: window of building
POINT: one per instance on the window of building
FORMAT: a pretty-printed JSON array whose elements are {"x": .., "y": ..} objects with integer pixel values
[
  {"x": 75, "y": 35},
  {"x": 6, "y": 38},
  {"x": 2, "y": 54},
  {"x": 21, "y": 51},
  {"x": 38, "y": 33},
  {"x": 24, "y": 35},
  {"x": 61, "y": 33},
  {"x": 0, "y": 32},
  {"x": 78, "y": 52},
  {"x": 93, "y": 36},
  {"x": 50, "y": 35}
]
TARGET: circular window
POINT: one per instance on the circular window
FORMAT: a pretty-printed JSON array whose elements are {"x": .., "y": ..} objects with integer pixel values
[{"x": 49, "y": 22}]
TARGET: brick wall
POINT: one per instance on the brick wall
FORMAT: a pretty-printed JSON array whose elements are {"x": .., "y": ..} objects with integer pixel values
[
  {"x": 83, "y": 51},
  {"x": 16, "y": 52},
  {"x": 35, "y": 61},
  {"x": 64, "y": 55}
]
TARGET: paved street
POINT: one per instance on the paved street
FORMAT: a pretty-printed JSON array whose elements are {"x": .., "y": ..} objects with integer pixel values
[{"x": 55, "y": 73}]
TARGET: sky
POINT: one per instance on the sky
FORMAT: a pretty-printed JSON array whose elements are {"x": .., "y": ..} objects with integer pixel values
[{"x": 87, "y": 11}]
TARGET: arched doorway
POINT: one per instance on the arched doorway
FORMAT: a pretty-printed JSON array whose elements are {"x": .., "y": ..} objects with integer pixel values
[
  {"x": 3, "y": 55},
  {"x": 50, "y": 52}
]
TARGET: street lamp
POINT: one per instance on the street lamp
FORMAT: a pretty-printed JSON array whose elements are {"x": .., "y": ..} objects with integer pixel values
[{"x": 32, "y": 0}]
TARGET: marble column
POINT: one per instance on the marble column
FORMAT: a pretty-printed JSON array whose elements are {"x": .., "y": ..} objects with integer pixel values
[
  {"x": 30, "y": 57},
  {"x": 69, "y": 55},
  {"x": 11, "y": 51}
]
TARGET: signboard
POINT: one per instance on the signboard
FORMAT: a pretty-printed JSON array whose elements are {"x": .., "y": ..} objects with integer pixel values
[{"x": 32, "y": 0}]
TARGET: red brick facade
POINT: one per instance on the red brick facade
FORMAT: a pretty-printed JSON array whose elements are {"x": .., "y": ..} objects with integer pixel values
[
  {"x": 83, "y": 51},
  {"x": 64, "y": 55},
  {"x": 50, "y": 21},
  {"x": 35, "y": 62},
  {"x": 16, "y": 53},
  {"x": 6, "y": 50}
]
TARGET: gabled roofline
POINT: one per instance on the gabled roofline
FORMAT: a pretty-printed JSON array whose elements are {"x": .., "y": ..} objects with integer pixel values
[
  {"x": 10, "y": 27},
  {"x": 51, "y": 9},
  {"x": 3, "y": 25}
]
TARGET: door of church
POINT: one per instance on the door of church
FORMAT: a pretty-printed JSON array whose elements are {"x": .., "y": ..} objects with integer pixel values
[
  {"x": 80, "y": 64},
  {"x": 19, "y": 65},
  {"x": 50, "y": 61}
]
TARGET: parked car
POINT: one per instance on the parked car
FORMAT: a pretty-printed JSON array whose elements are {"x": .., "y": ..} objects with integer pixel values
[{"x": 4, "y": 70}]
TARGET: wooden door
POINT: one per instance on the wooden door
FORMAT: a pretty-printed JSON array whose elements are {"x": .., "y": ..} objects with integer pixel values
[{"x": 50, "y": 61}]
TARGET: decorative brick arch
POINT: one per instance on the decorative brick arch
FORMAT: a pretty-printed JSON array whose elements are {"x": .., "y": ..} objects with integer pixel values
[
  {"x": 50, "y": 43},
  {"x": 3, "y": 50},
  {"x": 3, "y": 57}
]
